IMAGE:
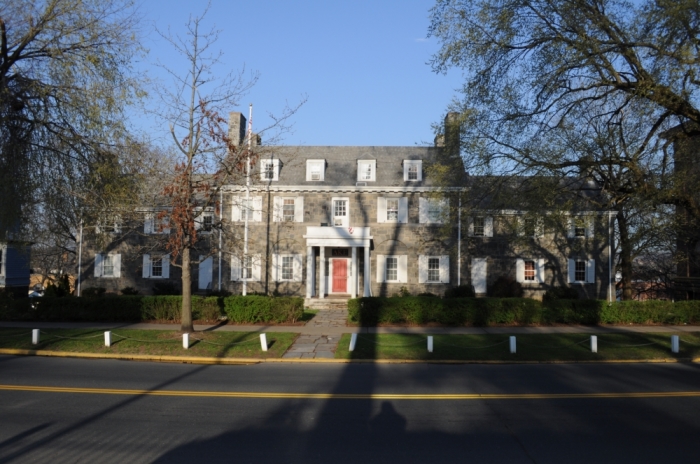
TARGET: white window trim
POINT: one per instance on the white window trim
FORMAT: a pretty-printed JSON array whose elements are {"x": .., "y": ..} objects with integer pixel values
[
  {"x": 347, "y": 210},
  {"x": 539, "y": 227},
  {"x": 275, "y": 170},
  {"x": 150, "y": 222},
  {"x": 590, "y": 271},
  {"x": 278, "y": 209},
  {"x": 402, "y": 272},
  {"x": 373, "y": 175},
  {"x": 322, "y": 169},
  {"x": 488, "y": 226},
  {"x": 99, "y": 265},
  {"x": 199, "y": 219},
  {"x": 423, "y": 269},
  {"x": 382, "y": 210},
  {"x": 116, "y": 226},
  {"x": 237, "y": 201},
  {"x": 424, "y": 209},
  {"x": 236, "y": 268},
  {"x": 147, "y": 270},
  {"x": 520, "y": 271},
  {"x": 297, "y": 267},
  {"x": 588, "y": 224},
  {"x": 406, "y": 164}
]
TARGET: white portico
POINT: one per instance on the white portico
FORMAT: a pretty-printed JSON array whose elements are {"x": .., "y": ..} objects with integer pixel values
[{"x": 337, "y": 248}]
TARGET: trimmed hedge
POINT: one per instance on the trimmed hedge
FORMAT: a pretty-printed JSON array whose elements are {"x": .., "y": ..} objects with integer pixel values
[
  {"x": 136, "y": 308},
  {"x": 518, "y": 311}
]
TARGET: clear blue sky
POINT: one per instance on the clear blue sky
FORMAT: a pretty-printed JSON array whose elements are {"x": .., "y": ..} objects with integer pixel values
[{"x": 362, "y": 64}]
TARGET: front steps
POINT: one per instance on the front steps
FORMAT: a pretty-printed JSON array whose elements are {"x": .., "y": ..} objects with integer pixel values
[{"x": 328, "y": 303}]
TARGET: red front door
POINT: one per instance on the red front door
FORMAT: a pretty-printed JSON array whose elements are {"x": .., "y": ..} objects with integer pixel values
[{"x": 340, "y": 275}]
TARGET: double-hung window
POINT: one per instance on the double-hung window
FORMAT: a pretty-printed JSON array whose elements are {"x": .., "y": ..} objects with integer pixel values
[
  {"x": 247, "y": 268},
  {"x": 269, "y": 169},
  {"x": 157, "y": 266},
  {"x": 108, "y": 266},
  {"x": 392, "y": 209},
  {"x": 412, "y": 170},
  {"x": 340, "y": 213},
  {"x": 582, "y": 270},
  {"x": 366, "y": 170},
  {"x": 288, "y": 210},
  {"x": 433, "y": 210},
  {"x": 287, "y": 267},
  {"x": 530, "y": 271},
  {"x": 479, "y": 224},
  {"x": 392, "y": 269},
  {"x": 433, "y": 269},
  {"x": 247, "y": 209}
]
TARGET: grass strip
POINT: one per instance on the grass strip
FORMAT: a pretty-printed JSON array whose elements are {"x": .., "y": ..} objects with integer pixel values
[
  {"x": 151, "y": 342},
  {"x": 530, "y": 347}
]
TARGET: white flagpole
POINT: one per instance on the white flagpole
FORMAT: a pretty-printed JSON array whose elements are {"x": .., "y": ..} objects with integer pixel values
[{"x": 247, "y": 201}]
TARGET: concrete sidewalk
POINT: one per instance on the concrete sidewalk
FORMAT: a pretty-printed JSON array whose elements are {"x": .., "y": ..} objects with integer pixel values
[{"x": 312, "y": 330}]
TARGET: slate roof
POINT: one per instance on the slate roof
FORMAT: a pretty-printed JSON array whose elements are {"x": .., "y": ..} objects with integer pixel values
[{"x": 341, "y": 164}]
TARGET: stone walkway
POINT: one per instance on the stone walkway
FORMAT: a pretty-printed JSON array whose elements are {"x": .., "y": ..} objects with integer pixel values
[{"x": 319, "y": 346}]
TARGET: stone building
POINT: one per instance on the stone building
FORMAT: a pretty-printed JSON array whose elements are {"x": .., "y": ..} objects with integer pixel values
[{"x": 365, "y": 221}]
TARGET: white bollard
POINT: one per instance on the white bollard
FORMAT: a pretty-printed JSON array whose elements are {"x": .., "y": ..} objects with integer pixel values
[
  {"x": 512, "y": 343},
  {"x": 263, "y": 342},
  {"x": 430, "y": 343},
  {"x": 35, "y": 336},
  {"x": 353, "y": 342},
  {"x": 594, "y": 343},
  {"x": 108, "y": 338},
  {"x": 675, "y": 343},
  {"x": 186, "y": 341}
]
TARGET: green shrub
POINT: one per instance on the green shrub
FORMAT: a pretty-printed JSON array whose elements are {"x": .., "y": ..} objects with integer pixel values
[
  {"x": 259, "y": 309},
  {"x": 462, "y": 291},
  {"x": 129, "y": 291},
  {"x": 93, "y": 291},
  {"x": 560, "y": 293},
  {"x": 505, "y": 287},
  {"x": 166, "y": 288},
  {"x": 60, "y": 289}
]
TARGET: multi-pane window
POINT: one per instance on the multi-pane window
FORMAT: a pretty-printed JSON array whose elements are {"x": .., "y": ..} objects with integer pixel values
[
  {"x": 315, "y": 172},
  {"x": 434, "y": 211},
  {"x": 433, "y": 269},
  {"x": 529, "y": 227},
  {"x": 479, "y": 226},
  {"x": 207, "y": 220},
  {"x": 268, "y": 170},
  {"x": 247, "y": 268},
  {"x": 413, "y": 172},
  {"x": 366, "y": 172},
  {"x": 340, "y": 211},
  {"x": 529, "y": 270},
  {"x": 579, "y": 228},
  {"x": 108, "y": 266},
  {"x": 156, "y": 266},
  {"x": 392, "y": 269},
  {"x": 392, "y": 209},
  {"x": 287, "y": 268},
  {"x": 247, "y": 209},
  {"x": 288, "y": 210},
  {"x": 580, "y": 271}
]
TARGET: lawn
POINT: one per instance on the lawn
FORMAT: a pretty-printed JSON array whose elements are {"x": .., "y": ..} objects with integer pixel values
[
  {"x": 151, "y": 342},
  {"x": 545, "y": 347}
]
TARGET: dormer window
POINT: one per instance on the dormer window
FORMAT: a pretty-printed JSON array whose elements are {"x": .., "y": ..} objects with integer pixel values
[
  {"x": 269, "y": 169},
  {"x": 315, "y": 170},
  {"x": 366, "y": 170},
  {"x": 412, "y": 170}
]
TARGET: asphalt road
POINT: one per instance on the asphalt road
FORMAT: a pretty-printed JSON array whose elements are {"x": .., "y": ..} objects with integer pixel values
[{"x": 118, "y": 411}]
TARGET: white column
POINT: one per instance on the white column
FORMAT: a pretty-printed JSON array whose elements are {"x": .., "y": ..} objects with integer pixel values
[
  {"x": 313, "y": 273},
  {"x": 309, "y": 271},
  {"x": 367, "y": 270},
  {"x": 322, "y": 272},
  {"x": 353, "y": 270}
]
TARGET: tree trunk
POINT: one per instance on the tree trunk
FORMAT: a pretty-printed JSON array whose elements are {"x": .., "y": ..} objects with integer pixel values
[
  {"x": 625, "y": 256},
  {"x": 186, "y": 316}
]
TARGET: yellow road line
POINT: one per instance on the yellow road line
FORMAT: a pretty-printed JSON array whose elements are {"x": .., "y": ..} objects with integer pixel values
[{"x": 350, "y": 396}]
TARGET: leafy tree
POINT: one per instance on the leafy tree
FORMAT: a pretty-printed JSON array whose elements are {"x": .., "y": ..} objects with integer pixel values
[{"x": 65, "y": 80}]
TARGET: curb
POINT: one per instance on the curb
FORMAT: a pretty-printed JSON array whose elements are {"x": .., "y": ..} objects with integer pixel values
[{"x": 249, "y": 361}]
